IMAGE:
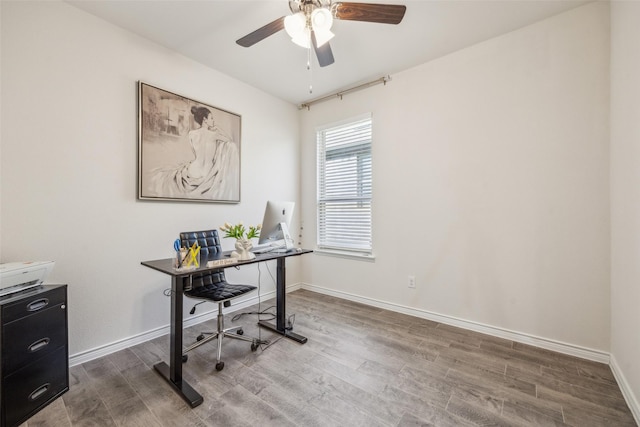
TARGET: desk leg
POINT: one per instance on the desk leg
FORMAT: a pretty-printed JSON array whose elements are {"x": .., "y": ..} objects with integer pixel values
[
  {"x": 281, "y": 307},
  {"x": 173, "y": 372}
]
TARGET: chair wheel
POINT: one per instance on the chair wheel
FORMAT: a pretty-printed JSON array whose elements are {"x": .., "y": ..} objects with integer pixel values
[
  {"x": 239, "y": 332},
  {"x": 254, "y": 346},
  {"x": 219, "y": 366},
  {"x": 185, "y": 357},
  {"x": 200, "y": 337}
]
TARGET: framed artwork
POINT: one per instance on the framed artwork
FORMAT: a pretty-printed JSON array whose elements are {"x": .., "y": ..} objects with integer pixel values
[{"x": 187, "y": 150}]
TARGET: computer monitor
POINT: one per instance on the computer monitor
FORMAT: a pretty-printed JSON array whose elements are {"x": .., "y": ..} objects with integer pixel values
[{"x": 274, "y": 235}]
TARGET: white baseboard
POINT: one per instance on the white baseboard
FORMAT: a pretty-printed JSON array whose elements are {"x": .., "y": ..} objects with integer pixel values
[
  {"x": 86, "y": 356},
  {"x": 627, "y": 392},
  {"x": 560, "y": 347}
]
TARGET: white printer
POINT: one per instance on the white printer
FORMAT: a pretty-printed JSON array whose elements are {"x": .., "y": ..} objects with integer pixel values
[{"x": 18, "y": 276}]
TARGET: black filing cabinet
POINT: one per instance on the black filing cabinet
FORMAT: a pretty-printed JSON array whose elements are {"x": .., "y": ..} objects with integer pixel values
[{"x": 34, "y": 346}]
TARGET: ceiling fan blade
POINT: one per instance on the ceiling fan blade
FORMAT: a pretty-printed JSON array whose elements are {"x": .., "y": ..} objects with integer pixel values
[
  {"x": 261, "y": 33},
  {"x": 324, "y": 53},
  {"x": 370, "y": 12}
]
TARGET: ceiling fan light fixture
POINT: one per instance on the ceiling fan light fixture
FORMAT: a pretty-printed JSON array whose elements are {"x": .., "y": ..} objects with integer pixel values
[
  {"x": 303, "y": 39},
  {"x": 299, "y": 26},
  {"x": 295, "y": 24},
  {"x": 321, "y": 19}
]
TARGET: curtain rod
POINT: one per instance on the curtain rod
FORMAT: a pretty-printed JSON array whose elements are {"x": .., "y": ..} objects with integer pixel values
[{"x": 341, "y": 93}]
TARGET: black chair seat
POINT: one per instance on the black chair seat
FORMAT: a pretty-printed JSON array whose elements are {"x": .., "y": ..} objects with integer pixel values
[{"x": 219, "y": 292}]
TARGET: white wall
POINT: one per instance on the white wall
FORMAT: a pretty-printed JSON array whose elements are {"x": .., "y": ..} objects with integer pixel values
[
  {"x": 491, "y": 184},
  {"x": 69, "y": 164},
  {"x": 625, "y": 196},
  {"x": 495, "y": 158}
]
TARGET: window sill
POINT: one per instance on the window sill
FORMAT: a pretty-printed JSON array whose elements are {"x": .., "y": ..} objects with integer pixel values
[{"x": 345, "y": 254}]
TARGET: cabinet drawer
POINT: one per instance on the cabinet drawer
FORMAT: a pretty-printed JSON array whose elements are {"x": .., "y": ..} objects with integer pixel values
[
  {"x": 29, "y": 389},
  {"x": 29, "y": 338},
  {"x": 38, "y": 301}
]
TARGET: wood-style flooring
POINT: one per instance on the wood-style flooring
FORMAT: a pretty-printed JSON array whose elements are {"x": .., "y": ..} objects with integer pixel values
[{"x": 362, "y": 366}]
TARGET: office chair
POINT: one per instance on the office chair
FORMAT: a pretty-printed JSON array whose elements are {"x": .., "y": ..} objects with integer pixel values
[{"x": 212, "y": 286}]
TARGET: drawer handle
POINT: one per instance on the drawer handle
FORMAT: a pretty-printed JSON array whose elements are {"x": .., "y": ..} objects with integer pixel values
[
  {"x": 39, "y": 345},
  {"x": 38, "y": 304},
  {"x": 39, "y": 392}
]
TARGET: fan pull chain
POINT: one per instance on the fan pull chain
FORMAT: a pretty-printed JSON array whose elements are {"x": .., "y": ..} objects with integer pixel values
[{"x": 310, "y": 70}]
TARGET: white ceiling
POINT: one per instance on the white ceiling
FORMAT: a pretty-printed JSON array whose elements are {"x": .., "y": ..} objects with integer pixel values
[{"x": 206, "y": 31}]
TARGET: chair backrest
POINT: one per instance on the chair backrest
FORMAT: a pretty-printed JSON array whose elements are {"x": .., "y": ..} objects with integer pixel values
[
  {"x": 210, "y": 248},
  {"x": 208, "y": 240}
]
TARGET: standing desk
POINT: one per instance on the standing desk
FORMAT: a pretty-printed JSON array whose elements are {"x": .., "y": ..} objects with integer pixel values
[{"x": 173, "y": 371}]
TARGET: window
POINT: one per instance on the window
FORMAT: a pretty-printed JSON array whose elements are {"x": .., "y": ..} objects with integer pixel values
[{"x": 344, "y": 186}]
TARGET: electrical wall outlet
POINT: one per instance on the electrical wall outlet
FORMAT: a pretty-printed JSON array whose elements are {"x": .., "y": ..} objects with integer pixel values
[{"x": 412, "y": 281}]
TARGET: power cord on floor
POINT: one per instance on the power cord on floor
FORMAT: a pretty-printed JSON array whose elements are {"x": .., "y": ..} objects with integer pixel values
[
  {"x": 263, "y": 312},
  {"x": 265, "y": 344},
  {"x": 290, "y": 320}
]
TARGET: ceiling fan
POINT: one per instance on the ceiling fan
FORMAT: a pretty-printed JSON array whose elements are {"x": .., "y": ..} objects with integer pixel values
[{"x": 311, "y": 20}]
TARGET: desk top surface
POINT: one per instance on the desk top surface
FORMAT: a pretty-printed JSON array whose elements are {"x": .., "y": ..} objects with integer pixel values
[{"x": 166, "y": 265}]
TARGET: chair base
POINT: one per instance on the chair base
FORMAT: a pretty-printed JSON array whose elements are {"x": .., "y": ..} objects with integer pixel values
[{"x": 235, "y": 332}]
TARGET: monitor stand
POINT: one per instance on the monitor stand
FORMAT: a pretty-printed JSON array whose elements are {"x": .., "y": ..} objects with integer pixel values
[
  {"x": 278, "y": 248},
  {"x": 286, "y": 236}
]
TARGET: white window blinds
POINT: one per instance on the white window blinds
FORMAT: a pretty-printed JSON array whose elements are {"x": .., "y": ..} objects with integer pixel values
[{"x": 344, "y": 186}]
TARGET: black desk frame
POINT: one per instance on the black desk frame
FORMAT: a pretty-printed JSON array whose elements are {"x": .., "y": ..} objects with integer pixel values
[{"x": 173, "y": 371}]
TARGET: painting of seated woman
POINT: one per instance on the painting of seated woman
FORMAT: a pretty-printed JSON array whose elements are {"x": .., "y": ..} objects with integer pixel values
[{"x": 188, "y": 150}]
